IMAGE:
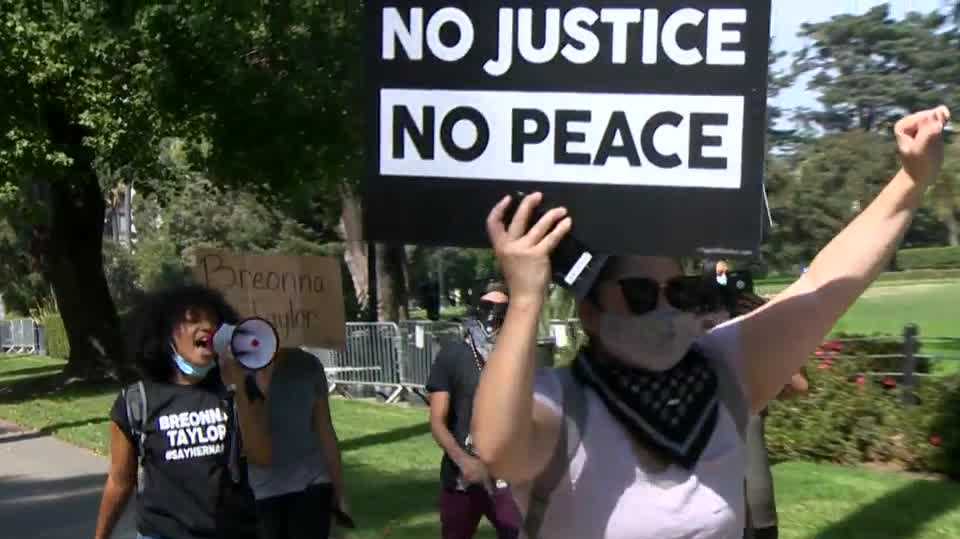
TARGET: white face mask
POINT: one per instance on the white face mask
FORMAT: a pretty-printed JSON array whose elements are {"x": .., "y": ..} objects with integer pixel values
[
  {"x": 722, "y": 279},
  {"x": 655, "y": 341}
]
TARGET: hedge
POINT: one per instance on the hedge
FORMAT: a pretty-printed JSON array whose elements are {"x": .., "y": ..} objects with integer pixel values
[
  {"x": 929, "y": 258},
  {"x": 56, "y": 335},
  {"x": 850, "y": 417}
]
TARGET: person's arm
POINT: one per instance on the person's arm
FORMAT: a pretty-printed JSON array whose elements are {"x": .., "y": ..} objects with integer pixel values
[
  {"x": 473, "y": 469},
  {"x": 252, "y": 416},
  {"x": 323, "y": 425},
  {"x": 120, "y": 484},
  {"x": 439, "y": 387},
  {"x": 513, "y": 434},
  {"x": 777, "y": 339},
  {"x": 797, "y": 387}
]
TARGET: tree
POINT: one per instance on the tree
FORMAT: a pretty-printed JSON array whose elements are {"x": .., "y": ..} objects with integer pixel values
[
  {"x": 823, "y": 187},
  {"x": 870, "y": 69},
  {"x": 262, "y": 93},
  {"x": 945, "y": 194}
]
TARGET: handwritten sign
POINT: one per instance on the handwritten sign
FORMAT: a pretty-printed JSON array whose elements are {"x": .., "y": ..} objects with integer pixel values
[{"x": 301, "y": 296}]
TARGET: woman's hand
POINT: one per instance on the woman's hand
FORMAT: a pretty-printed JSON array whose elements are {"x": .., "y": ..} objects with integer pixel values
[
  {"x": 920, "y": 144},
  {"x": 525, "y": 255}
]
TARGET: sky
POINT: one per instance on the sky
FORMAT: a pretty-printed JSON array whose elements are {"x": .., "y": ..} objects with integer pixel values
[{"x": 789, "y": 15}]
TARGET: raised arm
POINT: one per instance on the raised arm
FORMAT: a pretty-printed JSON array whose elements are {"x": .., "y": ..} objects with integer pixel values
[
  {"x": 511, "y": 434},
  {"x": 778, "y": 338}
]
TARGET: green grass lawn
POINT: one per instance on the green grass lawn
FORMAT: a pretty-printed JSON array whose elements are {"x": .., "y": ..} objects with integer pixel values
[
  {"x": 392, "y": 468},
  {"x": 934, "y": 305}
]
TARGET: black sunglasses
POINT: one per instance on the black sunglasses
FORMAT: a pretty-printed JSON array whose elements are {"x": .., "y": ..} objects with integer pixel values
[{"x": 687, "y": 293}]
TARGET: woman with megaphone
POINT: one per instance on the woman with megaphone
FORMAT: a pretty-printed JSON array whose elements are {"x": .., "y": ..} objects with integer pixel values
[
  {"x": 297, "y": 470},
  {"x": 177, "y": 427}
]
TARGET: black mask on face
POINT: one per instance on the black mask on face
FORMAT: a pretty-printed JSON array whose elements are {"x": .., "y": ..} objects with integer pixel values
[{"x": 491, "y": 315}]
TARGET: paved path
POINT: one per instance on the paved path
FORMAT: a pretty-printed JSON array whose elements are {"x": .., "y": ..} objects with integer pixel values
[{"x": 50, "y": 489}]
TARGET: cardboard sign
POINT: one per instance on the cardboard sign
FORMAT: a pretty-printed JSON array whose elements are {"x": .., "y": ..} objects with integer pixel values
[
  {"x": 645, "y": 118},
  {"x": 302, "y": 296}
]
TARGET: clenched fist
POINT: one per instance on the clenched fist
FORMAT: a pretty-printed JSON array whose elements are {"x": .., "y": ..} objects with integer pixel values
[{"x": 920, "y": 143}]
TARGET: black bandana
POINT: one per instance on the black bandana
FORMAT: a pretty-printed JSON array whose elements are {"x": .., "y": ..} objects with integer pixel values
[
  {"x": 673, "y": 412},
  {"x": 480, "y": 341}
]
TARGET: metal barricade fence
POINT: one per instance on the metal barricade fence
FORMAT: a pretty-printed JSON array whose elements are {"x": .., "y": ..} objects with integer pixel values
[
  {"x": 422, "y": 340},
  {"x": 6, "y": 336},
  {"x": 370, "y": 356},
  {"x": 18, "y": 336}
]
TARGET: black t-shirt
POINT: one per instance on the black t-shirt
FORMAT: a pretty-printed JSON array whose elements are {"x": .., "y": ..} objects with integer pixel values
[
  {"x": 186, "y": 435},
  {"x": 456, "y": 372}
]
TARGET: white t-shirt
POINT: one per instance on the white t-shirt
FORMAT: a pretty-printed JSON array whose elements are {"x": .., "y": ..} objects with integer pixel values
[{"x": 610, "y": 493}]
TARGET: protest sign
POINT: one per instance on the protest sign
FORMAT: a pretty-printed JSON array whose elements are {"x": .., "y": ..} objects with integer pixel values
[
  {"x": 302, "y": 296},
  {"x": 645, "y": 118}
]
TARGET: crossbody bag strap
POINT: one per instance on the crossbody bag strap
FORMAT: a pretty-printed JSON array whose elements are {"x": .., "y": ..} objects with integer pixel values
[{"x": 574, "y": 416}]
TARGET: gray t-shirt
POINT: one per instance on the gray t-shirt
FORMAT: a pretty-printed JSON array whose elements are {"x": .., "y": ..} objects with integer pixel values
[{"x": 297, "y": 458}]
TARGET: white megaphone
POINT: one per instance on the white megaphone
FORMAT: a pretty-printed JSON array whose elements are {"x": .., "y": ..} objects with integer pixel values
[{"x": 253, "y": 342}]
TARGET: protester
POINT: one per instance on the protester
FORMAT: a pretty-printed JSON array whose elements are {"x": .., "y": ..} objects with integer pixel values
[
  {"x": 301, "y": 486},
  {"x": 176, "y": 425},
  {"x": 468, "y": 491},
  {"x": 659, "y": 405},
  {"x": 762, "y": 521}
]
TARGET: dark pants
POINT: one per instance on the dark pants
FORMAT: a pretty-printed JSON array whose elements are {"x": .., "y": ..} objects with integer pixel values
[
  {"x": 761, "y": 505},
  {"x": 460, "y": 512},
  {"x": 300, "y": 515}
]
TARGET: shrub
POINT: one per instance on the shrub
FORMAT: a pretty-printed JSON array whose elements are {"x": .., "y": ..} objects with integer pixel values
[
  {"x": 929, "y": 258},
  {"x": 849, "y": 417},
  {"x": 843, "y": 419},
  {"x": 56, "y": 336}
]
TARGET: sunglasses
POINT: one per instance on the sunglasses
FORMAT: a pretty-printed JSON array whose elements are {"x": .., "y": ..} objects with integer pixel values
[{"x": 686, "y": 293}]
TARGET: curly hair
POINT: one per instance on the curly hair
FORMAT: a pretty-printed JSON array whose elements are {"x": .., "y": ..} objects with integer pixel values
[{"x": 153, "y": 322}]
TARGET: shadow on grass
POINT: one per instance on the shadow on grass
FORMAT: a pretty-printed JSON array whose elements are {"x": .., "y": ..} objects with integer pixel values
[
  {"x": 52, "y": 429},
  {"x": 390, "y": 436},
  {"x": 27, "y": 371},
  {"x": 899, "y": 514},
  {"x": 381, "y": 500},
  {"x": 53, "y": 385}
]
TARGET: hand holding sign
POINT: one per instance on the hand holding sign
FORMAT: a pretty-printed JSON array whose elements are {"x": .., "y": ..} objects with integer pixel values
[
  {"x": 920, "y": 143},
  {"x": 524, "y": 255}
]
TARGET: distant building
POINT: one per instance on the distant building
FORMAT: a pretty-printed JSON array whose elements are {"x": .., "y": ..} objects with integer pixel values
[{"x": 118, "y": 223}]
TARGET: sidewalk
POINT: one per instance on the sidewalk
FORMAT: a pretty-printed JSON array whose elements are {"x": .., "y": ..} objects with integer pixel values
[{"x": 50, "y": 489}]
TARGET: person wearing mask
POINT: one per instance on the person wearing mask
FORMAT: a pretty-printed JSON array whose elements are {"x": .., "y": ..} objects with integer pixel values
[
  {"x": 661, "y": 403},
  {"x": 299, "y": 489},
  {"x": 762, "y": 521},
  {"x": 176, "y": 426},
  {"x": 468, "y": 491}
]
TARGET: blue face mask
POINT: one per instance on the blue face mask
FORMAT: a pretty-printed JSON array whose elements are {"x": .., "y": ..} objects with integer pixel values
[{"x": 189, "y": 369}]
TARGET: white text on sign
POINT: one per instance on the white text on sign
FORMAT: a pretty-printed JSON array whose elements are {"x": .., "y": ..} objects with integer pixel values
[{"x": 619, "y": 26}]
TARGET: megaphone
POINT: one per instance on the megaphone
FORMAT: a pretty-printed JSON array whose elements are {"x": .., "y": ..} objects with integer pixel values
[{"x": 253, "y": 342}]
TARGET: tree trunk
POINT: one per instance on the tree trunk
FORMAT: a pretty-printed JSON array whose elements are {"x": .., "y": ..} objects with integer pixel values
[
  {"x": 953, "y": 228},
  {"x": 355, "y": 249},
  {"x": 391, "y": 281},
  {"x": 72, "y": 250}
]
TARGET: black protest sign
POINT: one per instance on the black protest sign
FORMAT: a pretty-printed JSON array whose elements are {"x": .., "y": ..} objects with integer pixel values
[{"x": 645, "y": 118}]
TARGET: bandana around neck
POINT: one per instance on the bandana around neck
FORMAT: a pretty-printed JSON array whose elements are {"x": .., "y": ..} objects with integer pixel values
[
  {"x": 480, "y": 341},
  {"x": 673, "y": 413}
]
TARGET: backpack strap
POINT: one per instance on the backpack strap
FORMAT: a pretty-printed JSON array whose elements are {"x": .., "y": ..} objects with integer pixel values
[
  {"x": 135, "y": 398},
  {"x": 574, "y": 418}
]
